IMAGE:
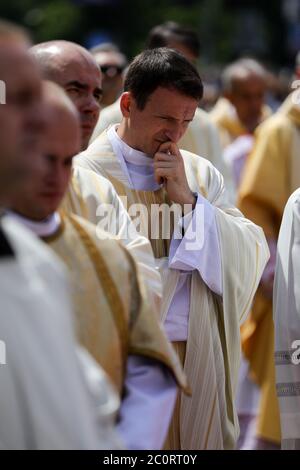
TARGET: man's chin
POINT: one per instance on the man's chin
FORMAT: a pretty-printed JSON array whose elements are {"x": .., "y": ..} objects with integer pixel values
[
  {"x": 85, "y": 138},
  {"x": 48, "y": 205}
]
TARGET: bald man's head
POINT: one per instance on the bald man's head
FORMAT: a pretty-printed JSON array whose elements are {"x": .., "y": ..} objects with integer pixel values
[
  {"x": 73, "y": 68},
  {"x": 21, "y": 109},
  {"x": 62, "y": 141},
  {"x": 112, "y": 64},
  {"x": 244, "y": 85}
]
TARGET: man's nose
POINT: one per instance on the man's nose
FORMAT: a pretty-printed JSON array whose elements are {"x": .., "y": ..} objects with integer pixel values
[
  {"x": 174, "y": 133},
  {"x": 257, "y": 102},
  {"x": 91, "y": 105},
  {"x": 54, "y": 175}
]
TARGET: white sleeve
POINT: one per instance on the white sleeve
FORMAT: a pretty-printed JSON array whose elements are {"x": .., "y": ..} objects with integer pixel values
[
  {"x": 45, "y": 402},
  {"x": 147, "y": 407},
  {"x": 199, "y": 248}
]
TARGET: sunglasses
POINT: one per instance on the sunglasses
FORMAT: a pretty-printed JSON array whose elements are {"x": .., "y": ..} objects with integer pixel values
[{"x": 111, "y": 70}]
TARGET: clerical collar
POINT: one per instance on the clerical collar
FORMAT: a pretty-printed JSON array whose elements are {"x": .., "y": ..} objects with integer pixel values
[
  {"x": 131, "y": 155},
  {"x": 137, "y": 166},
  {"x": 43, "y": 228}
]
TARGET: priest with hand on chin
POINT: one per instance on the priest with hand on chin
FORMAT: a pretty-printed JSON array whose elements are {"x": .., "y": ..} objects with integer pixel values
[{"x": 211, "y": 273}]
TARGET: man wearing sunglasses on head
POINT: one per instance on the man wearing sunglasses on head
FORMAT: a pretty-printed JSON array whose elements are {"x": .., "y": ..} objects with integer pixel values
[{"x": 112, "y": 64}]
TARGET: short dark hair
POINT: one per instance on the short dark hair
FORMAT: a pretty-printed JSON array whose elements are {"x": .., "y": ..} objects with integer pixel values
[
  {"x": 164, "y": 34},
  {"x": 162, "y": 67}
]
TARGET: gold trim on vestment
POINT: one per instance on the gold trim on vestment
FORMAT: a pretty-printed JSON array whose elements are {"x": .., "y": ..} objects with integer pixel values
[{"x": 109, "y": 288}]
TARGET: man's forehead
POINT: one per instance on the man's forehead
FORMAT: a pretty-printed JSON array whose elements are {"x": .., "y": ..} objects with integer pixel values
[
  {"x": 81, "y": 71},
  {"x": 171, "y": 100},
  {"x": 17, "y": 67},
  {"x": 248, "y": 82}
]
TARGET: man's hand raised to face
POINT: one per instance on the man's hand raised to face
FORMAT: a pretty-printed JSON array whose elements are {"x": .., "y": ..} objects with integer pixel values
[{"x": 169, "y": 167}]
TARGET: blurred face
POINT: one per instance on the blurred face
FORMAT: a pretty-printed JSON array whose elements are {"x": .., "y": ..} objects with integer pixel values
[
  {"x": 45, "y": 191},
  {"x": 81, "y": 79},
  {"x": 248, "y": 98},
  {"x": 112, "y": 66},
  {"x": 165, "y": 117},
  {"x": 22, "y": 117},
  {"x": 188, "y": 54}
]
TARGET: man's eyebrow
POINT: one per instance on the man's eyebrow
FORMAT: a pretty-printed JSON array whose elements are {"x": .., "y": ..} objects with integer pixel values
[
  {"x": 83, "y": 86},
  {"x": 77, "y": 84},
  {"x": 166, "y": 116}
]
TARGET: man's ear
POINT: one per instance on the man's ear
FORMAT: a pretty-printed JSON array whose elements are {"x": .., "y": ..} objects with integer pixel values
[{"x": 125, "y": 103}]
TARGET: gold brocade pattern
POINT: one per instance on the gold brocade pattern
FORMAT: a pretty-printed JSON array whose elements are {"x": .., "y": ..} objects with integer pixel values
[
  {"x": 113, "y": 316},
  {"x": 101, "y": 310},
  {"x": 148, "y": 199},
  {"x": 110, "y": 290}
]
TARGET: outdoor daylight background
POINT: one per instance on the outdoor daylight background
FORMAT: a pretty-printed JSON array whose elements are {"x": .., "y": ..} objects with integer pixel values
[{"x": 267, "y": 30}]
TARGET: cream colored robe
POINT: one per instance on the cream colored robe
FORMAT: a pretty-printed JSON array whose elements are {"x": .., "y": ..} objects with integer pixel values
[
  {"x": 271, "y": 174},
  {"x": 208, "y": 419},
  {"x": 45, "y": 400},
  {"x": 287, "y": 324},
  {"x": 94, "y": 198},
  {"x": 200, "y": 138},
  {"x": 113, "y": 315}
]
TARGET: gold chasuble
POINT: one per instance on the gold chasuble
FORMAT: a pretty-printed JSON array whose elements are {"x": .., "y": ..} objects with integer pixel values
[
  {"x": 271, "y": 175},
  {"x": 228, "y": 123},
  {"x": 208, "y": 419},
  {"x": 94, "y": 198},
  {"x": 113, "y": 318}
]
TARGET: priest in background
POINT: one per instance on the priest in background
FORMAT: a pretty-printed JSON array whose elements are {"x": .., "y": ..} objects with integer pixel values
[
  {"x": 239, "y": 111},
  {"x": 286, "y": 303},
  {"x": 272, "y": 174}
]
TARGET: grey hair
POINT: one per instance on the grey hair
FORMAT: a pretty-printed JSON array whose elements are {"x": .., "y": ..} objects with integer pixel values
[
  {"x": 105, "y": 47},
  {"x": 240, "y": 70}
]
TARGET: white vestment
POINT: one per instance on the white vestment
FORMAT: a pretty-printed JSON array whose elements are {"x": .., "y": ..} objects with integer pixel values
[
  {"x": 150, "y": 387},
  {"x": 50, "y": 397},
  {"x": 287, "y": 323}
]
